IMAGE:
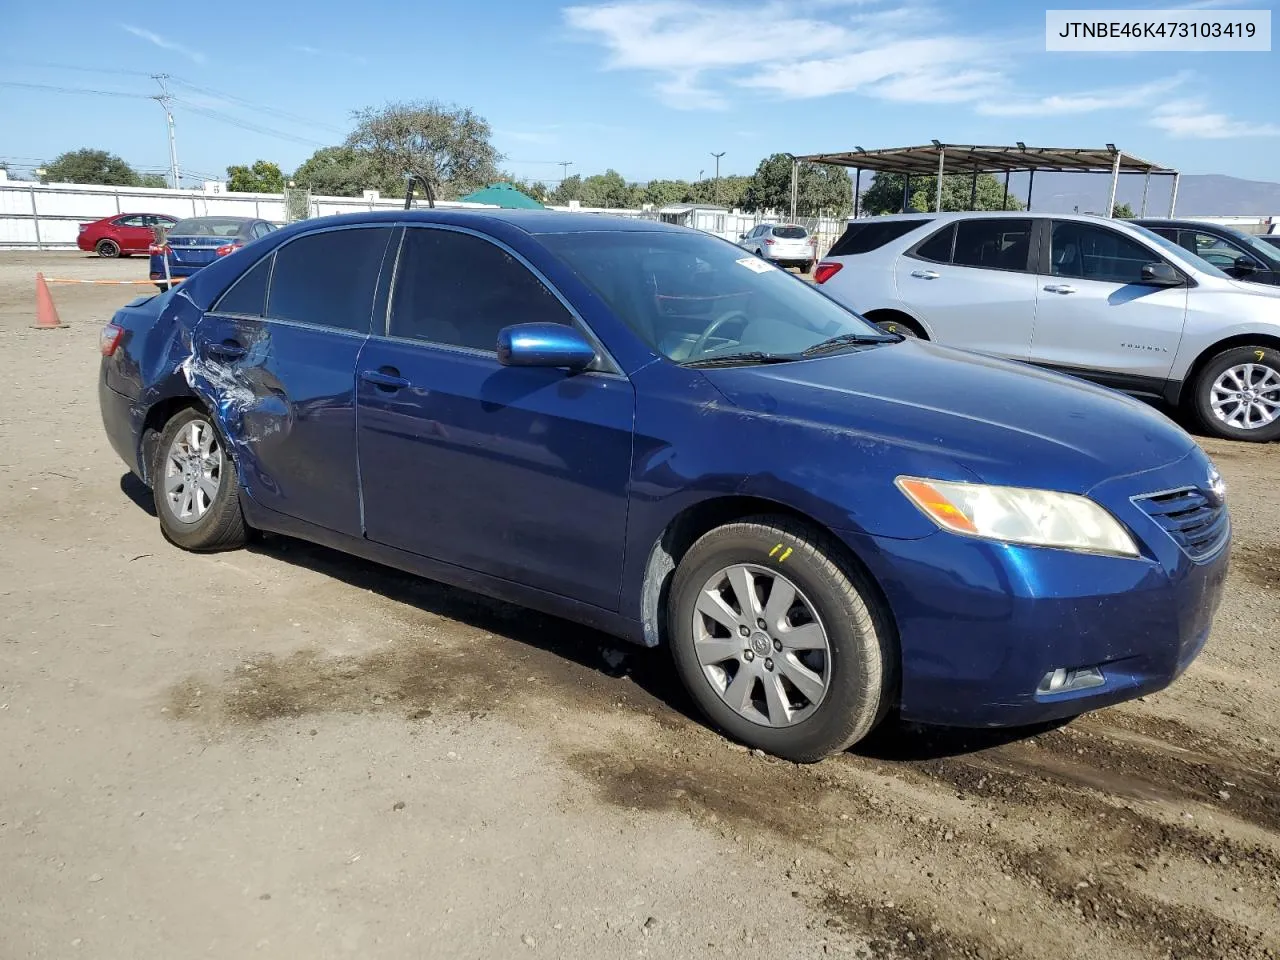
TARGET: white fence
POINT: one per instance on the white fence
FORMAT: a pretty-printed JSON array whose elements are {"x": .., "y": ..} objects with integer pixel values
[{"x": 36, "y": 216}]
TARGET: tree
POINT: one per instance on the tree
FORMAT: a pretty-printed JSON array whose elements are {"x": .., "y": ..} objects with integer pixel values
[
  {"x": 338, "y": 172},
  {"x": 730, "y": 191},
  {"x": 447, "y": 144},
  {"x": 607, "y": 190},
  {"x": 820, "y": 188},
  {"x": 570, "y": 188},
  {"x": 90, "y": 166},
  {"x": 530, "y": 188},
  {"x": 885, "y": 194},
  {"x": 153, "y": 180},
  {"x": 662, "y": 192},
  {"x": 263, "y": 177},
  {"x": 1122, "y": 211}
]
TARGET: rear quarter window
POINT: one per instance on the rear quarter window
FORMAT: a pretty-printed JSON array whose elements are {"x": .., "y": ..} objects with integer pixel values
[
  {"x": 867, "y": 235},
  {"x": 248, "y": 295}
]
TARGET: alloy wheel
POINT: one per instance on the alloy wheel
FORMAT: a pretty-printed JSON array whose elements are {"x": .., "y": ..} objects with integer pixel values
[
  {"x": 1246, "y": 396},
  {"x": 193, "y": 467},
  {"x": 761, "y": 645}
]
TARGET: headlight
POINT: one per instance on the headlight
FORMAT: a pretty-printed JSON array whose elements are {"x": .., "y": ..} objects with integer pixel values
[{"x": 1042, "y": 518}]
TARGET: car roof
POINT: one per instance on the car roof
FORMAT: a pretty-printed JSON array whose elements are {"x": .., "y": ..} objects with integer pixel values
[
  {"x": 989, "y": 214},
  {"x": 530, "y": 221}
]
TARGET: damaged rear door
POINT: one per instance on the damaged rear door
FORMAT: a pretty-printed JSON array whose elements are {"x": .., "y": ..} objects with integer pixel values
[{"x": 275, "y": 358}]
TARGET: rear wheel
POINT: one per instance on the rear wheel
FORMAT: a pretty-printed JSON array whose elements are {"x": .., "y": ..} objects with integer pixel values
[
  {"x": 197, "y": 493},
  {"x": 783, "y": 645},
  {"x": 899, "y": 327},
  {"x": 1237, "y": 394},
  {"x": 108, "y": 249}
]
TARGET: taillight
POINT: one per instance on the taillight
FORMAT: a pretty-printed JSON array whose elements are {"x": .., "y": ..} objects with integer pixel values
[
  {"x": 769, "y": 240},
  {"x": 158, "y": 249},
  {"x": 226, "y": 248},
  {"x": 109, "y": 339},
  {"x": 825, "y": 271}
]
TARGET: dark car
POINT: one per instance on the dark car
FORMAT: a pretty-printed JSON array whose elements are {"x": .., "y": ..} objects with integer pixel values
[
  {"x": 1271, "y": 240},
  {"x": 1236, "y": 253},
  {"x": 646, "y": 429},
  {"x": 123, "y": 235},
  {"x": 198, "y": 241}
]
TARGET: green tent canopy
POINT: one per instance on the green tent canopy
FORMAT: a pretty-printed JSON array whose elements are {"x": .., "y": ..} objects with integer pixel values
[{"x": 503, "y": 195}]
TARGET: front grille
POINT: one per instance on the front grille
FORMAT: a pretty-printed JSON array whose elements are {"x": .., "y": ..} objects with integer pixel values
[{"x": 1198, "y": 524}]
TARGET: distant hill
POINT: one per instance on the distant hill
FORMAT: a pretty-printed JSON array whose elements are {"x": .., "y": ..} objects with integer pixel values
[{"x": 1198, "y": 194}]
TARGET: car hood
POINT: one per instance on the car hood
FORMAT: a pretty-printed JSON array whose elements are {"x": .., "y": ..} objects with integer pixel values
[{"x": 1002, "y": 421}]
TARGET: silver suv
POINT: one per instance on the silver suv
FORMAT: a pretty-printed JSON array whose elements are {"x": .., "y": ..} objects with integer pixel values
[
  {"x": 786, "y": 244},
  {"x": 1105, "y": 300}
]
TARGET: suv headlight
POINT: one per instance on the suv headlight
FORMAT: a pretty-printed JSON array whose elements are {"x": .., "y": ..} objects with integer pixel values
[{"x": 1041, "y": 518}]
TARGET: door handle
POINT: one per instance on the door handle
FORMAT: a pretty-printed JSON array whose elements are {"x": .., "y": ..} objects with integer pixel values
[
  {"x": 226, "y": 350},
  {"x": 1059, "y": 288},
  {"x": 925, "y": 274},
  {"x": 385, "y": 378}
]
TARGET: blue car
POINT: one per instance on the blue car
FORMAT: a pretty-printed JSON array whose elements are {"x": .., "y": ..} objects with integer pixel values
[
  {"x": 196, "y": 242},
  {"x": 650, "y": 431}
]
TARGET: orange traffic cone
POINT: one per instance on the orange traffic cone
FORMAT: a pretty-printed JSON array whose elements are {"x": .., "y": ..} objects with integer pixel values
[{"x": 46, "y": 312}]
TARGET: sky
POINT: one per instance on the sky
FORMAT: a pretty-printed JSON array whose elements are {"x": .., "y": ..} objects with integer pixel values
[{"x": 650, "y": 88}]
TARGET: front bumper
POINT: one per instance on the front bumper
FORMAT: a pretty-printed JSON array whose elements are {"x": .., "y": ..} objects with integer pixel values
[{"x": 982, "y": 624}]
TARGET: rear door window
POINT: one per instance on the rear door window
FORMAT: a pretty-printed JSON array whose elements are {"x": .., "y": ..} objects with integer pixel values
[
  {"x": 863, "y": 236},
  {"x": 329, "y": 279},
  {"x": 1084, "y": 251},
  {"x": 456, "y": 289},
  {"x": 248, "y": 295},
  {"x": 938, "y": 247},
  {"x": 995, "y": 244}
]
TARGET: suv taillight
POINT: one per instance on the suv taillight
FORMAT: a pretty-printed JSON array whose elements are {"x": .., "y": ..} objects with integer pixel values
[
  {"x": 825, "y": 271},
  {"x": 109, "y": 339},
  {"x": 768, "y": 240},
  {"x": 226, "y": 249}
]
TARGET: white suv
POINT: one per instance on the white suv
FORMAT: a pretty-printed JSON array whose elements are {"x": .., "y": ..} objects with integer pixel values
[
  {"x": 1102, "y": 299},
  {"x": 786, "y": 244}
]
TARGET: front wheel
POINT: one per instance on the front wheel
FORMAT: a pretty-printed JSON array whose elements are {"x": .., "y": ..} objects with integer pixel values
[
  {"x": 108, "y": 249},
  {"x": 197, "y": 493},
  {"x": 1237, "y": 395},
  {"x": 782, "y": 643}
]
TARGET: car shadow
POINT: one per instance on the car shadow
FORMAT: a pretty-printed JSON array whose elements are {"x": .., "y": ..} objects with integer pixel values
[
  {"x": 139, "y": 493},
  {"x": 650, "y": 670}
]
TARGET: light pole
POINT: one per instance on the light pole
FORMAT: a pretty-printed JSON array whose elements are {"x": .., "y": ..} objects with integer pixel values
[{"x": 716, "y": 189}]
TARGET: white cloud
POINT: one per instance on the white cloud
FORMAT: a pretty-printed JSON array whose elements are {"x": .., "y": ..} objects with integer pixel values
[
  {"x": 165, "y": 43},
  {"x": 697, "y": 49},
  {"x": 1061, "y": 104},
  {"x": 1194, "y": 119}
]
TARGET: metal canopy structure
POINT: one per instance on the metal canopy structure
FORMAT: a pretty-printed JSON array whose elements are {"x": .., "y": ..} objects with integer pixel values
[{"x": 939, "y": 159}]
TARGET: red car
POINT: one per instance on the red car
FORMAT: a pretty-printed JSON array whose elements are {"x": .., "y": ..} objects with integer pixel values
[{"x": 123, "y": 234}]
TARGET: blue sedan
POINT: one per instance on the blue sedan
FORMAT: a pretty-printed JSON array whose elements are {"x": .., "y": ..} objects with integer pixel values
[
  {"x": 196, "y": 242},
  {"x": 647, "y": 430}
]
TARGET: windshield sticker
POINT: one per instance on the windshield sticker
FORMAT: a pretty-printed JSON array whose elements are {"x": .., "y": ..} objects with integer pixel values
[{"x": 755, "y": 264}]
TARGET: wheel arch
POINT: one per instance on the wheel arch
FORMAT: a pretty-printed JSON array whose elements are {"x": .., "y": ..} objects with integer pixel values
[
  {"x": 1202, "y": 360},
  {"x": 159, "y": 414},
  {"x": 893, "y": 315},
  {"x": 687, "y": 526}
]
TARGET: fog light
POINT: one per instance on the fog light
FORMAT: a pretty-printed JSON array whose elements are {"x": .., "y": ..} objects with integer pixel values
[{"x": 1065, "y": 681}]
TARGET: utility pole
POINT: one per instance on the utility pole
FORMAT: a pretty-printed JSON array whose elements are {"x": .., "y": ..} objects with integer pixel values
[
  {"x": 564, "y": 166},
  {"x": 716, "y": 187},
  {"x": 164, "y": 100}
]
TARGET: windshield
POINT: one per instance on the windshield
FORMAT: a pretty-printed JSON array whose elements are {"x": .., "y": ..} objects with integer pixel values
[
  {"x": 1180, "y": 253},
  {"x": 694, "y": 297},
  {"x": 790, "y": 233},
  {"x": 206, "y": 227},
  {"x": 1265, "y": 251}
]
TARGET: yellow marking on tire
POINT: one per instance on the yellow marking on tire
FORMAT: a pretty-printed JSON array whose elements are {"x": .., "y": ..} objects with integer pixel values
[
  {"x": 785, "y": 555},
  {"x": 775, "y": 550},
  {"x": 1259, "y": 354}
]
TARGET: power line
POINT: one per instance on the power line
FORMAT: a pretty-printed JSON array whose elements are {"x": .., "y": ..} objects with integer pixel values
[
  {"x": 246, "y": 124},
  {"x": 275, "y": 111},
  {"x": 56, "y": 89},
  {"x": 74, "y": 66}
]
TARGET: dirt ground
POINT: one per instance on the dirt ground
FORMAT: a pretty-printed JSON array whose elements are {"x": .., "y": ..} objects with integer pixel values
[{"x": 286, "y": 752}]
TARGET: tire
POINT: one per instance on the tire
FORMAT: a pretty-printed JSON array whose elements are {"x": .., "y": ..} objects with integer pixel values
[
  {"x": 212, "y": 523},
  {"x": 1260, "y": 366},
  {"x": 107, "y": 249},
  {"x": 858, "y": 666},
  {"x": 162, "y": 287}
]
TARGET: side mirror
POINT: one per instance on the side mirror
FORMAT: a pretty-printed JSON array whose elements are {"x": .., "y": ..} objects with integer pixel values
[
  {"x": 1244, "y": 265},
  {"x": 1160, "y": 274},
  {"x": 742, "y": 236},
  {"x": 544, "y": 345}
]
